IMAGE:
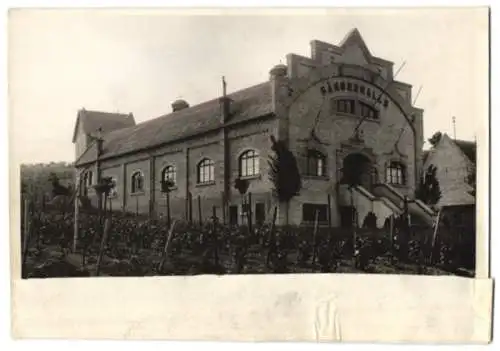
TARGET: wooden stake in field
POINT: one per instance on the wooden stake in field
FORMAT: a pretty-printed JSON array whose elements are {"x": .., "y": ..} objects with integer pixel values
[
  {"x": 249, "y": 212},
  {"x": 167, "y": 200},
  {"x": 190, "y": 207},
  {"x": 200, "y": 216},
  {"x": 105, "y": 206},
  {"x": 315, "y": 233},
  {"x": 76, "y": 223},
  {"x": 272, "y": 241},
  {"x": 137, "y": 205},
  {"x": 26, "y": 215},
  {"x": 329, "y": 212},
  {"x": 223, "y": 198},
  {"x": 434, "y": 237},
  {"x": 167, "y": 244},
  {"x": 391, "y": 232},
  {"x": 107, "y": 226},
  {"x": 215, "y": 236},
  {"x": 354, "y": 223}
]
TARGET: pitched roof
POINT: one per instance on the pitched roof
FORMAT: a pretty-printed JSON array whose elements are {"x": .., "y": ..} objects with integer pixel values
[
  {"x": 468, "y": 148},
  {"x": 93, "y": 120},
  {"x": 246, "y": 104}
]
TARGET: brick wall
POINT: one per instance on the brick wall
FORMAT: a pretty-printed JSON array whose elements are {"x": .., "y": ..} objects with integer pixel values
[{"x": 185, "y": 156}]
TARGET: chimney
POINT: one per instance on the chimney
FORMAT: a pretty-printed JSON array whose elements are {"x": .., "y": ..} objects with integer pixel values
[
  {"x": 225, "y": 103},
  {"x": 178, "y": 105},
  {"x": 280, "y": 91}
]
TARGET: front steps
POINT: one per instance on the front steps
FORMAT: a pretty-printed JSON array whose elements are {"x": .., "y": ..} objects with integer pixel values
[{"x": 385, "y": 201}]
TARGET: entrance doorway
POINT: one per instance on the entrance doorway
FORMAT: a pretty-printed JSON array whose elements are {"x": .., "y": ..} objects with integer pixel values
[
  {"x": 357, "y": 169},
  {"x": 348, "y": 217}
]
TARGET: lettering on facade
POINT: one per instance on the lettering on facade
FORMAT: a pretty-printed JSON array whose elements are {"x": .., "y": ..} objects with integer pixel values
[{"x": 334, "y": 85}]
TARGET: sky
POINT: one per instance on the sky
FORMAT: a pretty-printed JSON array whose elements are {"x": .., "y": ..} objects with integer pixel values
[{"x": 140, "y": 61}]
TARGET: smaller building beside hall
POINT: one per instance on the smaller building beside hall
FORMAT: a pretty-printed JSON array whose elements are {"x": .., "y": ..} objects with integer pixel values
[{"x": 454, "y": 161}]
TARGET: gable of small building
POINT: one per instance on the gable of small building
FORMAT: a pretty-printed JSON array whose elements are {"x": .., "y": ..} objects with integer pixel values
[{"x": 453, "y": 167}]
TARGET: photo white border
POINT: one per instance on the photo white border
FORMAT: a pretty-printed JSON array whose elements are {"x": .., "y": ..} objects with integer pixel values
[{"x": 268, "y": 3}]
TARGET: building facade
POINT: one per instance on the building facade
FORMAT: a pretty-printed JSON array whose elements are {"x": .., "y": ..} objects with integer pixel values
[{"x": 351, "y": 126}]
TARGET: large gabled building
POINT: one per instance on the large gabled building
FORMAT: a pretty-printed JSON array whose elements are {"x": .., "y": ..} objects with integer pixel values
[{"x": 340, "y": 111}]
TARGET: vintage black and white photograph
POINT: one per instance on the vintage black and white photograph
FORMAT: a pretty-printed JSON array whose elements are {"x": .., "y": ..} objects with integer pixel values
[{"x": 180, "y": 145}]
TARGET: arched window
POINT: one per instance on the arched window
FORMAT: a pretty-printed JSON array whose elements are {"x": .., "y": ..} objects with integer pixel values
[
  {"x": 137, "y": 182},
  {"x": 169, "y": 173},
  {"x": 206, "y": 171},
  {"x": 395, "y": 173},
  {"x": 316, "y": 163},
  {"x": 249, "y": 163},
  {"x": 367, "y": 111}
]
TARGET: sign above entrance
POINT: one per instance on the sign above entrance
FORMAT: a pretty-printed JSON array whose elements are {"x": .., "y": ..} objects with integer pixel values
[{"x": 336, "y": 84}]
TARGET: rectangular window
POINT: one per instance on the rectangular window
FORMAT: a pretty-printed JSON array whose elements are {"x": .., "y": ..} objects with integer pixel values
[
  {"x": 233, "y": 215},
  {"x": 345, "y": 106},
  {"x": 309, "y": 212}
]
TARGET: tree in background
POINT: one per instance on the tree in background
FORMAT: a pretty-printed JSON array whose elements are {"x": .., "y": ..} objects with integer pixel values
[
  {"x": 57, "y": 188},
  {"x": 37, "y": 177},
  {"x": 284, "y": 173},
  {"x": 471, "y": 179},
  {"x": 435, "y": 138},
  {"x": 429, "y": 191}
]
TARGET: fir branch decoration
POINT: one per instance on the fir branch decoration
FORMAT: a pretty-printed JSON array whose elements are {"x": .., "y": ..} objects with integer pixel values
[
  {"x": 429, "y": 190},
  {"x": 284, "y": 172}
]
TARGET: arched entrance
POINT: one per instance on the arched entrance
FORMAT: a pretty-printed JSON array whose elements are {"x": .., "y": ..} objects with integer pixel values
[{"x": 357, "y": 169}]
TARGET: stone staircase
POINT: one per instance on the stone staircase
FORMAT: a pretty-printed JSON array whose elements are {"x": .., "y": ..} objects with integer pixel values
[{"x": 384, "y": 201}]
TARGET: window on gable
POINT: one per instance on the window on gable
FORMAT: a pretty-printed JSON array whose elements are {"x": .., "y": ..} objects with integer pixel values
[
  {"x": 316, "y": 164},
  {"x": 89, "y": 178},
  {"x": 86, "y": 183},
  {"x": 206, "y": 171},
  {"x": 249, "y": 164},
  {"x": 345, "y": 106},
  {"x": 137, "y": 185},
  {"x": 395, "y": 173}
]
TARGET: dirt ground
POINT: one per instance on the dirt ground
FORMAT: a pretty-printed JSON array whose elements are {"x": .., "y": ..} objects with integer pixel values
[{"x": 51, "y": 261}]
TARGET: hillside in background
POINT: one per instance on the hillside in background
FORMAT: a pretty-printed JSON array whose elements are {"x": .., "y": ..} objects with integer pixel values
[{"x": 36, "y": 177}]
